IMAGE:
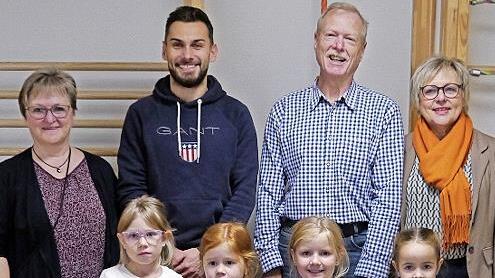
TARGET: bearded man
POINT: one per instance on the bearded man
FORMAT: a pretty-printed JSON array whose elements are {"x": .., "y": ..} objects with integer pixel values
[{"x": 189, "y": 143}]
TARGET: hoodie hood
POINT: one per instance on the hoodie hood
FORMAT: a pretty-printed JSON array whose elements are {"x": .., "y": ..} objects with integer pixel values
[{"x": 163, "y": 93}]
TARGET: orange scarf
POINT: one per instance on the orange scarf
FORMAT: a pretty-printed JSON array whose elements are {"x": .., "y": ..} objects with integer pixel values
[{"x": 441, "y": 164}]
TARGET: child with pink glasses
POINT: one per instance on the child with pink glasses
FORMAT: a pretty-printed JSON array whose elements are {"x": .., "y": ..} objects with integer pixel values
[{"x": 146, "y": 241}]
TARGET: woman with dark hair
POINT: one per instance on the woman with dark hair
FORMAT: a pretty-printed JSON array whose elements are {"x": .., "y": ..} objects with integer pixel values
[{"x": 57, "y": 209}]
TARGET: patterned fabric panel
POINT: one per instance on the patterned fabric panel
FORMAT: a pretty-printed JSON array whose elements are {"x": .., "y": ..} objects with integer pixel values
[
  {"x": 424, "y": 206},
  {"x": 80, "y": 232}
]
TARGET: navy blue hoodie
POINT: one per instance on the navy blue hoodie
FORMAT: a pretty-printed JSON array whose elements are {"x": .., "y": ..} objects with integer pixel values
[{"x": 201, "y": 182}]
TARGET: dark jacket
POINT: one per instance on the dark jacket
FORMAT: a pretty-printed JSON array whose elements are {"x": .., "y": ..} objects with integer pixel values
[
  {"x": 154, "y": 159},
  {"x": 26, "y": 235}
]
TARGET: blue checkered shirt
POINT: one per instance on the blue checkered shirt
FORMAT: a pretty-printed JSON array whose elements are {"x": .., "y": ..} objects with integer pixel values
[{"x": 343, "y": 160}]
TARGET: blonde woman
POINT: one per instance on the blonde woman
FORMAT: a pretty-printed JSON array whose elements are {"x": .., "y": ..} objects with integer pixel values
[
  {"x": 57, "y": 214},
  {"x": 449, "y": 175}
]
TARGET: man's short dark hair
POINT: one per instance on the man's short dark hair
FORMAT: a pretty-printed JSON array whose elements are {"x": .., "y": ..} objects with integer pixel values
[{"x": 189, "y": 14}]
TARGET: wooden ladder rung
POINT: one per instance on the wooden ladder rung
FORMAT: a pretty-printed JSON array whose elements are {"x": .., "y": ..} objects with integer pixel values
[
  {"x": 478, "y": 70},
  {"x": 89, "y": 95},
  {"x": 78, "y": 123},
  {"x": 85, "y": 66},
  {"x": 109, "y": 151}
]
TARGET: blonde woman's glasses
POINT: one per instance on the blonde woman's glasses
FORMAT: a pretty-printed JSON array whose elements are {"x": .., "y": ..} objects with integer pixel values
[
  {"x": 40, "y": 112},
  {"x": 450, "y": 90}
]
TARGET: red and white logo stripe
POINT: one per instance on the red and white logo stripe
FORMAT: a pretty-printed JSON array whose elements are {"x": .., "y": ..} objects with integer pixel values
[{"x": 189, "y": 152}]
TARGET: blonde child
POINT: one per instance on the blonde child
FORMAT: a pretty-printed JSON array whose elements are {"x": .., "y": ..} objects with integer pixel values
[
  {"x": 226, "y": 250},
  {"x": 146, "y": 241},
  {"x": 317, "y": 248},
  {"x": 416, "y": 253}
]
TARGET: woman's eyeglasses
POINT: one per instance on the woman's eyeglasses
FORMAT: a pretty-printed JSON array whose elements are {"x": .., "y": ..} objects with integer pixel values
[
  {"x": 450, "y": 90},
  {"x": 40, "y": 112}
]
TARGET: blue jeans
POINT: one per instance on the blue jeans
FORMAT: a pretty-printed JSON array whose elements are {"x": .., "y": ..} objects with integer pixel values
[
  {"x": 353, "y": 244},
  {"x": 288, "y": 271}
]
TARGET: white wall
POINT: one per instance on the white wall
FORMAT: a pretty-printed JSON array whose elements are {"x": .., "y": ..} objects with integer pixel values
[
  {"x": 266, "y": 50},
  {"x": 68, "y": 30}
]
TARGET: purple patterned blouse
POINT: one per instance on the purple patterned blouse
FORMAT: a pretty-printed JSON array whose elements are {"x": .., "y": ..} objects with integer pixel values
[{"x": 80, "y": 231}]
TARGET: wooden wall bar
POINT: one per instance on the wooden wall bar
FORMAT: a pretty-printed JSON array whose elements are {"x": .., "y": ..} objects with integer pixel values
[
  {"x": 98, "y": 151},
  {"x": 85, "y": 66},
  {"x": 195, "y": 3},
  {"x": 93, "y": 94},
  {"x": 485, "y": 70},
  {"x": 78, "y": 123},
  {"x": 455, "y": 28},
  {"x": 423, "y": 42}
]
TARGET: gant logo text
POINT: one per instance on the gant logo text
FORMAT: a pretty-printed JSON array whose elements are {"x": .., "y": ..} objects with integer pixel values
[{"x": 209, "y": 130}]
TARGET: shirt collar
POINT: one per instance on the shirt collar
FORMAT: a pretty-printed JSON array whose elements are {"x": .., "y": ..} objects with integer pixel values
[{"x": 348, "y": 98}]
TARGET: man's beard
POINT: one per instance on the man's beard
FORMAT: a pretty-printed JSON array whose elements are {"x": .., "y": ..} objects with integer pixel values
[{"x": 188, "y": 82}]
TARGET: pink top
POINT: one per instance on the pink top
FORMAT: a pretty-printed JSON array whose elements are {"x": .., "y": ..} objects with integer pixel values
[{"x": 80, "y": 232}]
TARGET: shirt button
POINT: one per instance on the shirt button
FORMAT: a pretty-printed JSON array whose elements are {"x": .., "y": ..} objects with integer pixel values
[
  {"x": 471, "y": 249},
  {"x": 328, "y": 164}
]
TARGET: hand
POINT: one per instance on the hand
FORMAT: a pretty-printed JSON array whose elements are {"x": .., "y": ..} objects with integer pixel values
[
  {"x": 274, "y": 273},
  {"x": 187, "y": 263},
  {"x": 4, "y": 268},
  {"x": 177, "y": 257}
]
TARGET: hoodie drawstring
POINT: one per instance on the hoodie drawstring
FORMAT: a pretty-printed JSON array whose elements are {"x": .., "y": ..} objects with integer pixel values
[
  {"x": 179, "y": 141},
  {"x": 198, "y": 130}
]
